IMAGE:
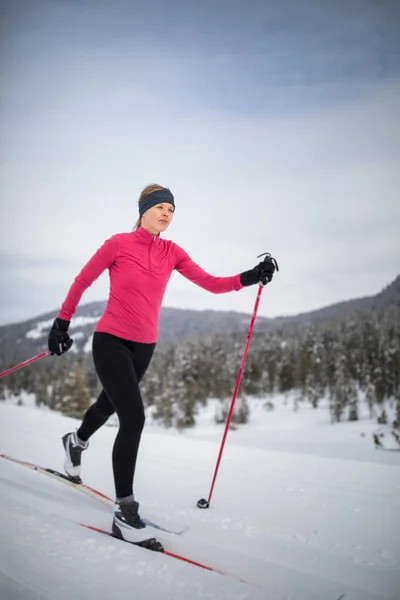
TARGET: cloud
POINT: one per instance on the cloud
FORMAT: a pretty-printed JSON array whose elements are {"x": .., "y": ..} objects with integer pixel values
[
  {"x": 196, "y": 56},
  {"x": 318, "y": 189},
  {"x": 276, "y": 128}
]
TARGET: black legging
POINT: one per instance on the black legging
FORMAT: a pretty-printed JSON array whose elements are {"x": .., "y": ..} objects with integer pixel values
[{"x": 120, "y": 365}]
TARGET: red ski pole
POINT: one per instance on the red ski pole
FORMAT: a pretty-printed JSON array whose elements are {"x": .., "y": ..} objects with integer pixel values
[
  {"x": 203, "y": 503},
  {"x": 24, "y": 364}
]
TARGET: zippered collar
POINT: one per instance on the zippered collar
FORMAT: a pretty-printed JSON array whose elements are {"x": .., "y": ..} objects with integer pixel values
[{"x": 145, "y": 237}]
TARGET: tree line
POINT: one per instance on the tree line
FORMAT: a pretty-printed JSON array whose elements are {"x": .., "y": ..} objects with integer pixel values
[{"x": 348, "y": 360}]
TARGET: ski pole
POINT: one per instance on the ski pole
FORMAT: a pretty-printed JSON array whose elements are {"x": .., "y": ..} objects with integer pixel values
[
  {"x": 203, "y": 503},
  {"x": 24, "y": 364}
]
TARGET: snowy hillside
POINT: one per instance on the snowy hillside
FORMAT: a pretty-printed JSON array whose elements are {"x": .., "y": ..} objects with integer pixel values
[{"x": 302, "y": 510}]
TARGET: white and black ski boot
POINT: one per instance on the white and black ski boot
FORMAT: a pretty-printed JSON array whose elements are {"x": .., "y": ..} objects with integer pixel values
[
  {"x": 73, "y": 449},
  {"x": 127, "y": 525}
]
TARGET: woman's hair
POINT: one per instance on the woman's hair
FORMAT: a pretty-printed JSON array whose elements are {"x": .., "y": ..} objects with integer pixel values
[{"x": 153, "y": 187}]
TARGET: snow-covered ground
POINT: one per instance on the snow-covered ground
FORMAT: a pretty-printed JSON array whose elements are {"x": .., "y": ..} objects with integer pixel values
[{"x": 302, "y": 510}]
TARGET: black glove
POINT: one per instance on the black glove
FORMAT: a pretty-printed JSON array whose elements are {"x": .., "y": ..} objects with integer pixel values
[
  {"x": 59, "y": 340},
  {"x": 262, "y": 273}
]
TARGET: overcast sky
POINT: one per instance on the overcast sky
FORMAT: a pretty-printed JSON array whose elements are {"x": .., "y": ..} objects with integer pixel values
[{"x": 275, "y": 124}]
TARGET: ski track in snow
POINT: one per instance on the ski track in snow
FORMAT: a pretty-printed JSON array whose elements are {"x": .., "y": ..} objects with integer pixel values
[{"x": 296, "y": 526}]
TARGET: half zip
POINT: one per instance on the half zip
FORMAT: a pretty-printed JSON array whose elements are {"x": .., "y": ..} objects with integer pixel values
[{"x": 150, "y": 249}]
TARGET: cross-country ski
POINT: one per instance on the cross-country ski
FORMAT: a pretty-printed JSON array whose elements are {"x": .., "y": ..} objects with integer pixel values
[{"x": 86, "y": 489}]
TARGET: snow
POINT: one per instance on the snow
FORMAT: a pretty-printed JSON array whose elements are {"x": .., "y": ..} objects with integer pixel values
[
  {"x": 42, "y": 327},
  {"x": 301, "y": 510},
  {"x": 88, "y": 344}
]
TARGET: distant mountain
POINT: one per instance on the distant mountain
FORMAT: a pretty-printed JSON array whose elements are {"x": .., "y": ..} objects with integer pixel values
[
  {"x": 390, "y": 295},
  {"x": 20, "y": 341}
]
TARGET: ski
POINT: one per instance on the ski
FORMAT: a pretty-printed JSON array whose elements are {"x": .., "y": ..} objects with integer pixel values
[
  {"x": 86, "y": 489},
  {"x": 164, "y": 551},
  {"x": 109, "y": 502}
]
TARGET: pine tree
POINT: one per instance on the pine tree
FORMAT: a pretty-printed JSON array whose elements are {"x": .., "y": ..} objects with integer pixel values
[
  {"x": 164, "y": 403},
  {"x": 343, "y": 392},
  {"x": 185, "y": 396},
  {"x": 382, "y": 419},
  {"x": 370, "y": 397},
  {"x": 241, "y": 411},
  {"x": 75, "y": 398},
  {"x": 396, "y": 422}
]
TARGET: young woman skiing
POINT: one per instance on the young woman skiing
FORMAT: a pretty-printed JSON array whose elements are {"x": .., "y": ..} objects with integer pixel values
[{"x": 140, "y": 264}]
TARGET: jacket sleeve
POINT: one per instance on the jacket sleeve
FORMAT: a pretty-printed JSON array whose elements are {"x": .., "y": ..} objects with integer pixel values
[
  {"x": 100, "y": 261},
  {"x": 189, "y": 269}
]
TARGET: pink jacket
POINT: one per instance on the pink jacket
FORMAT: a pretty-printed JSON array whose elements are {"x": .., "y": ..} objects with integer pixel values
[{"x": 140, "y": 265}]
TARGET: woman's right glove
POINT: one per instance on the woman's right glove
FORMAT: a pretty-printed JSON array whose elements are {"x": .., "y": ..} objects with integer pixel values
[
  {"x": 262, "y": 273},
  {"x": 58, "y": 339}
]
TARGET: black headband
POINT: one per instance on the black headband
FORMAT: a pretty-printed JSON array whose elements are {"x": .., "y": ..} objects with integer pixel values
[{"x": 154, "y": 198}]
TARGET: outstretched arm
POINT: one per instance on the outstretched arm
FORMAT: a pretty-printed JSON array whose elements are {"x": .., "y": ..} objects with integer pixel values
[{"x": 189, "y": 269}]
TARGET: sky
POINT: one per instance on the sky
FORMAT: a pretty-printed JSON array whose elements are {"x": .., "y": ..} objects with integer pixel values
[{"x": 275, "y": 125}]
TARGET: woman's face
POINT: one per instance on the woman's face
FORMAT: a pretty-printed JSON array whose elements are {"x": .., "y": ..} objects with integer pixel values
[{"x": 158, "y": 217}]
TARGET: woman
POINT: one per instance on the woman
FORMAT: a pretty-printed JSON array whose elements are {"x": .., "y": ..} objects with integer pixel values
[{"x": 140, "y": 264}]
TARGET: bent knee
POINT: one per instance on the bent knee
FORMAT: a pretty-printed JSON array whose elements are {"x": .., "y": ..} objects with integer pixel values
[{"x": 132, "y": 423}]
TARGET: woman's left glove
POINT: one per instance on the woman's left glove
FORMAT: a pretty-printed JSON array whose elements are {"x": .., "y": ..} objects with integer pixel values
[
  {"x": 262, "y": 273},
  {"x": 59, "y": 340}
]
